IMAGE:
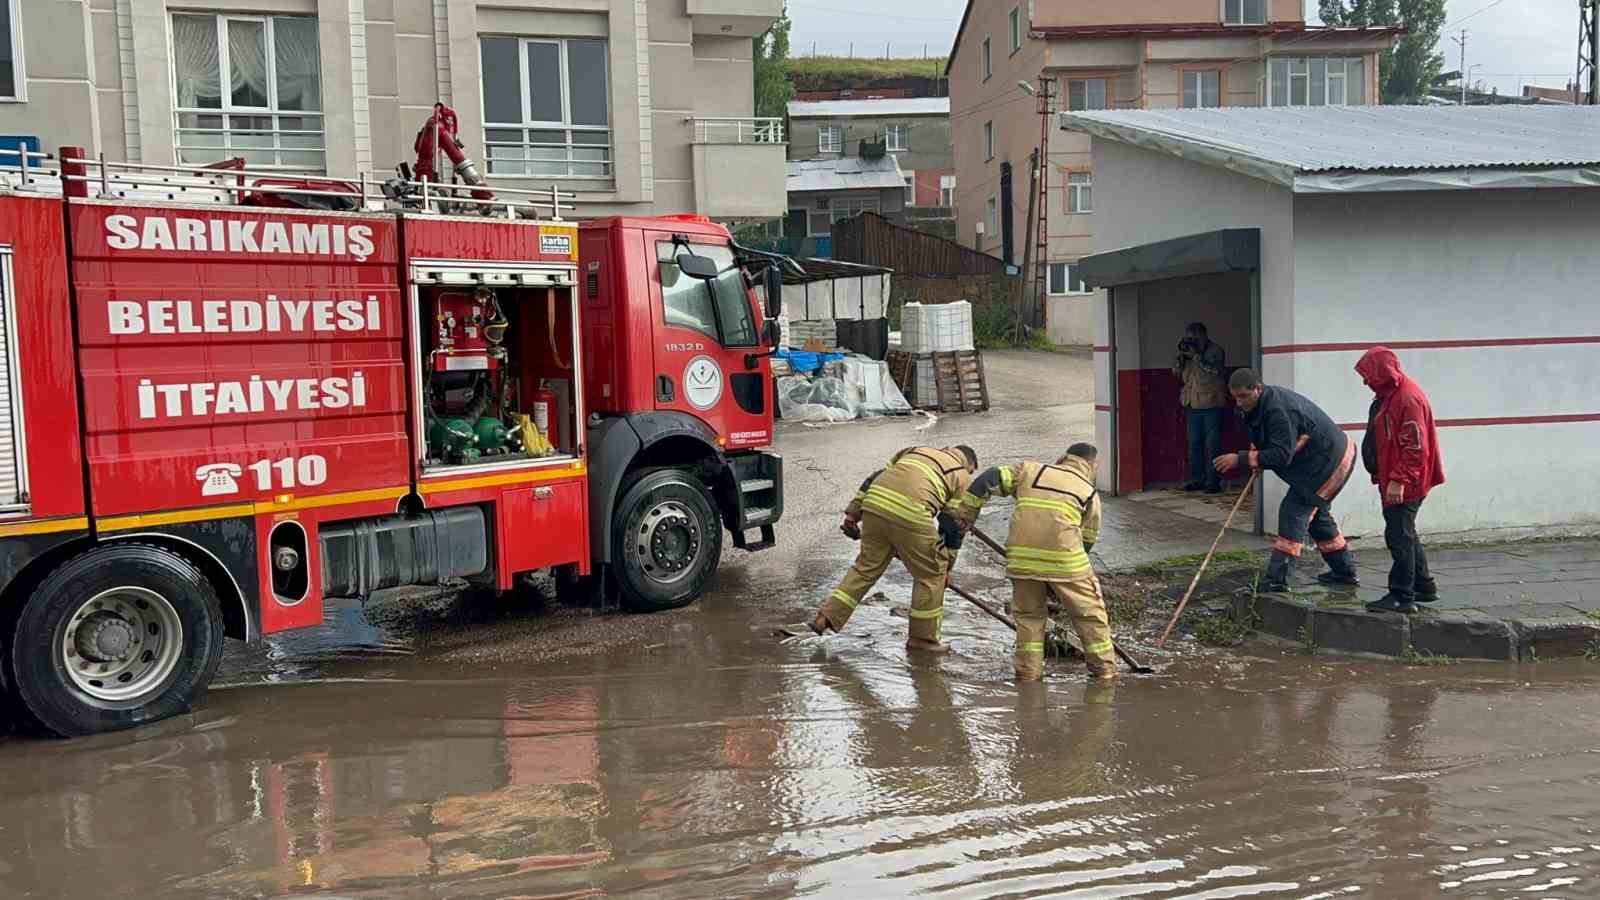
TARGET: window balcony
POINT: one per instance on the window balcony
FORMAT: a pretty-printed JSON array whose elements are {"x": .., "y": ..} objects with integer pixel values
[
  {"x": 733, "y": 18},
  {"x": 739, "y": 167}
]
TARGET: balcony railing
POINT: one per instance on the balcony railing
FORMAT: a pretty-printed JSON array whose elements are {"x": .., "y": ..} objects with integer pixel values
[{"x": 736, "y": 130}]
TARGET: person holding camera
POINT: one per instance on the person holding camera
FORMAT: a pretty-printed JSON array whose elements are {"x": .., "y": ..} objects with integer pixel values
[{"x": 1205, "y": 396}]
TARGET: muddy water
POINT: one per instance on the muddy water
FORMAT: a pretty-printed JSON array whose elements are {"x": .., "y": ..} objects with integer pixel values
[{"x": 713, "y": 761}]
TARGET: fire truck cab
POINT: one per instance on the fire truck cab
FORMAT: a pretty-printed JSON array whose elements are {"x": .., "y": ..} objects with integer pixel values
[{"x": 228, "y": 399}]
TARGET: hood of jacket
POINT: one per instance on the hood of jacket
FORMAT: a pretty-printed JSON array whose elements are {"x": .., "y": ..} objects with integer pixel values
[{"x": 1380, "y": 369}]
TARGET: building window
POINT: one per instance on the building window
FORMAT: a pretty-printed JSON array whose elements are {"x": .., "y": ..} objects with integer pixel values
[
  {"x": 546, "y": 107},
  {"x": 1316, "y": 82},
  {"x": 1080, "y": 193},
  {"x": 895, "y": 137},
  {"x": 991, "y": 215},
  {"x": 1016, "y": 28},
  {"x": 13, "y": 81},
  {"x": 911, "y": 188},
  {"x": 830, "y": 139},
  {"x": 988, "y": 60},
  {"x": 1244, "y": 12},
  {"x": 1064, "y": 280},
  {"x": 947, "y": 191},
  {"x": 248, "y": 86},
  {"x": 1088, "y": 93},
  {"x": 1202, "y": 90},
  {"x": 988, "y": 141},
  {"x": 849, "y": 207}
]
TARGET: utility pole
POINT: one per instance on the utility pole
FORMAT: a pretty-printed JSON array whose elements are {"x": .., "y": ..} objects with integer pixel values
[
  {"x": 1588, "y": 53},
  {"x": 1027, "y": 245},
  {"x": 1462, "y": 40}
]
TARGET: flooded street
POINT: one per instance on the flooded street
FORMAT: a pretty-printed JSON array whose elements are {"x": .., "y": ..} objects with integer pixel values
[{"x": 505, "y": 753}]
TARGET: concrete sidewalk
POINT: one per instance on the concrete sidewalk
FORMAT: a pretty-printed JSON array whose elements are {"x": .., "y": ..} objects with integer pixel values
[{"x": 1524, "y": 600}]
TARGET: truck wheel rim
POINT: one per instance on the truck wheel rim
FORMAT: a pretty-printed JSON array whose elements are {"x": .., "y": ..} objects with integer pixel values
[
  {"x": 122, "y": 643},
  {"x": 669, "y": 542}
]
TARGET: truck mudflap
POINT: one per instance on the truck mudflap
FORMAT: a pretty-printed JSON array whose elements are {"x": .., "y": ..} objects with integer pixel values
[{"x": 759, "y": 498}]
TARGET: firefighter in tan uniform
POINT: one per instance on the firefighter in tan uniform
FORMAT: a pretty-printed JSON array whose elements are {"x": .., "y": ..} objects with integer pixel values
[
  {"x": 1056, "y": 523},
  {"x": 906, "y": 511}
]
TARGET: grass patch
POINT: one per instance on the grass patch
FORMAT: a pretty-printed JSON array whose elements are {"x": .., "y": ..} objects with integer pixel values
[
  {"x": 1222, "y": 631},
  {"x": 1224, "y": 561},
  {"x": 1411, "y": 656},
  {"x": 1595, "y": 615},
  {"x": 1308, "y": 638},
  {"x": 1125, "y": 605},
  {"x": 1592, "y": 652},
  {"x": 825, "y": 72}
]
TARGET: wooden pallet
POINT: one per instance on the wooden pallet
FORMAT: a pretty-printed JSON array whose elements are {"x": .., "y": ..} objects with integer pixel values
[
  {"x": 958, "y": 379},
  {"x": 958, "y": 382}
]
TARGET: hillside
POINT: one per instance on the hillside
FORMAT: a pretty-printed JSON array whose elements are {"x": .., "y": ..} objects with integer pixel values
[{"x": 825, "y": 73}]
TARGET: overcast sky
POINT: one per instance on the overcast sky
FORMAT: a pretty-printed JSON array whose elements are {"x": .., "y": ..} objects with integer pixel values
[{"x": 1517, "y": 41}]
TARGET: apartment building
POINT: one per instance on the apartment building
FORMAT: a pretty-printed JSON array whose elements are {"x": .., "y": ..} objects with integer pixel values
[
  {"x": 914, "y": 130},
  {"x": 1134, "y": 54},
  {"x": 639, "y": 106}
]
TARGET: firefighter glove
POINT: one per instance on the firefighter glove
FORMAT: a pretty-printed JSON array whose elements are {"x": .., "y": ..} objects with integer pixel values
[
  {"x": 950, "y": 533},
  {"x": 851, "y": 529}
]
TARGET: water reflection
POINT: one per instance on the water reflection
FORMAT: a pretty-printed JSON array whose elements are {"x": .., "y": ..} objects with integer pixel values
[{"x": 721, "y": 768}]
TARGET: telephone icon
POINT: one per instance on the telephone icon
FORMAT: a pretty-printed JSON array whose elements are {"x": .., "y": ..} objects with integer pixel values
[{"x": 217, "y": 479}]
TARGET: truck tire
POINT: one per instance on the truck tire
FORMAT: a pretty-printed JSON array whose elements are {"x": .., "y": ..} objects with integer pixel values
[
  {"x": 119, "y": 636},
  {"x": 668, "y": 540}
]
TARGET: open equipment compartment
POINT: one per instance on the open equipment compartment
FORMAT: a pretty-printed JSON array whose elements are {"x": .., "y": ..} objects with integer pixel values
[{"x": 496, "y": 347}]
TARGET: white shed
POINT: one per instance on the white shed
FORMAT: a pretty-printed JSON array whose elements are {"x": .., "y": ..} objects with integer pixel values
[{"x": 1465, "y": 238}]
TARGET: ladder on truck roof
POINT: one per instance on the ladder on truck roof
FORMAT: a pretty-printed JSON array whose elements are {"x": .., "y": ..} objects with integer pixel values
[{"x": 231, "y": 183}]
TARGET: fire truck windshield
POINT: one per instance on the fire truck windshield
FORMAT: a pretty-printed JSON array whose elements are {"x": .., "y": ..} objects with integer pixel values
[{"x": 718, "y": 308}]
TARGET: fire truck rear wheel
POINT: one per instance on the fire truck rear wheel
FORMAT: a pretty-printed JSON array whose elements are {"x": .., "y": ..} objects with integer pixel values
[
  {"x": 668, "y": 540},
  {"x": 117, "y": 637}
]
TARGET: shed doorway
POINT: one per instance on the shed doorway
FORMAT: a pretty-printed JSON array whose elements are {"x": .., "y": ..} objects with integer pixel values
[{"x": 1153, "y": 293}]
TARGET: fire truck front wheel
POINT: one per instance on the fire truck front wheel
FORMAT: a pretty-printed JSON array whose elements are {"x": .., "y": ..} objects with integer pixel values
[
  {"x": 668, "y": 540},
  {"x": 119, "y": 636}
]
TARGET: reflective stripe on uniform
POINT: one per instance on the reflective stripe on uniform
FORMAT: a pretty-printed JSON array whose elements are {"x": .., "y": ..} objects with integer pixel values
[
  {"x": 1287, "y": 545},
  {"x": 1091, "y": 535},
  {"x": 926, "y": 613},
  {"x": 896, "y": 505},
  {"x": 1038, "y": 555},
  {"x": 1006, "y": 481},
  {"x": 846, "y": 599},
  {"x": 1035, "y": 647},
  {"x": 1073, "y": 513},
  {"x": 972, "y": 500},
  {"x": 940, "y": 488},
  {"x": 1097, "y": 646}
]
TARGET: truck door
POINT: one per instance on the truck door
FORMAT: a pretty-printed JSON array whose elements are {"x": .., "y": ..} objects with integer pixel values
[{"x": 708, "y": 360}]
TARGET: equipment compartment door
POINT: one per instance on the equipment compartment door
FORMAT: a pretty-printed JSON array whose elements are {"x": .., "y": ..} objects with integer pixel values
[{"x": 542, "y": 525}]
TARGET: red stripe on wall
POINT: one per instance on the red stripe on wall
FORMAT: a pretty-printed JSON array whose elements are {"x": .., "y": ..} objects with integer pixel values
[
  {"x": 1503, "y": 420},
  {"x": 1101, "y": 407},
  {"x": 1104, "y": 349},
  {"x": 1430, "y": 345}
]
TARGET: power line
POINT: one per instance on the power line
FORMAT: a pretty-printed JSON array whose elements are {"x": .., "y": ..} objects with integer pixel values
[{"x": 1449, "y": 25}]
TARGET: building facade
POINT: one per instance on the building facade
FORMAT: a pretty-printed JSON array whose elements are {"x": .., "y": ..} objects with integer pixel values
[
  {"x": 1460, "y": 237},
  {"x": 1136, "y": 54},
  {"x": 914, "y": 130},
  {"x": 639, "y": 107}
]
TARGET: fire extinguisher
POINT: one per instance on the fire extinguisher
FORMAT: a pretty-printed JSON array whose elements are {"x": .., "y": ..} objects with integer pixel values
[{"x": 544, "y": 418}]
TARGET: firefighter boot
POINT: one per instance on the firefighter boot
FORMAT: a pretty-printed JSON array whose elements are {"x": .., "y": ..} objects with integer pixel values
[
  {"x": 1341, "y": 571},
  {"x": 1276, "y": 579}
]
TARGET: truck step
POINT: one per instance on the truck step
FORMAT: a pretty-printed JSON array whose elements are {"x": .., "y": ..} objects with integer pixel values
[
  {"x": 751, "y": 485},
  {"x": 756, "y": 515},
  {"x": 768, "y": 539}
]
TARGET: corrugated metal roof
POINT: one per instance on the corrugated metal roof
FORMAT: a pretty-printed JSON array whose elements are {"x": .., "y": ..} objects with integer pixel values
[
  {"x": 1286, "y": 144},
  {"x": 885, "y": 106},
  {"x": 849, "y": 173}
]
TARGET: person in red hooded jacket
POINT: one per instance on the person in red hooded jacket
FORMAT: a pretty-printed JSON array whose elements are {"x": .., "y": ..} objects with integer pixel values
[{"x": 1401, "y": 450}]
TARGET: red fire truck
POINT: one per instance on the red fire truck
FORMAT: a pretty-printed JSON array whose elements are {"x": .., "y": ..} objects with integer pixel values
[{"x": 227, "y": 404}]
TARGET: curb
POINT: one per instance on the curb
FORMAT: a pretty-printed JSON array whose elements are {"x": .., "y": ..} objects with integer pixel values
[{"x": 1458, "y": 634}]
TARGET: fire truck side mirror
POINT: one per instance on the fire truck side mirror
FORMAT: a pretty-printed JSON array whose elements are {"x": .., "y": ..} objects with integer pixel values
[
  {"x": 702, "y": 267},
  {"x": 773, "y": 278}
]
